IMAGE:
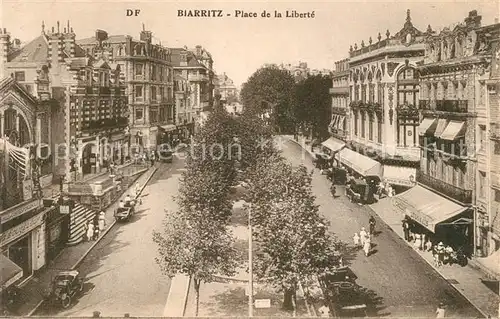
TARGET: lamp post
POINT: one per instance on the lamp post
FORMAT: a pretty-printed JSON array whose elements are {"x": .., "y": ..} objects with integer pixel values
[{"x": 250, "y": 268}]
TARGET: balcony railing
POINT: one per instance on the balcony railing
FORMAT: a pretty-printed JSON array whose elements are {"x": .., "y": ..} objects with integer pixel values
[
  {"x": 339, "y": 90},
  {"x": 339, "y": 110},
  {"x": 462, "y": 195},
  {"x": 104, "y": 90},
  {"x": 453, "y": 106}
]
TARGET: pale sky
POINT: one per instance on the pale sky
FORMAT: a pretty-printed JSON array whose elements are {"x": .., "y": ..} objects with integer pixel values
[{"x": 239, "y": 46}]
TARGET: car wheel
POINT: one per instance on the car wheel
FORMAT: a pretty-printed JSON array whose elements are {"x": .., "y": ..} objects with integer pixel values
[{"x": 66, "y": 302}]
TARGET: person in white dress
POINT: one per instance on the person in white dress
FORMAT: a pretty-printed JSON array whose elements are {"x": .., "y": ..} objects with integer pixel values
[
  {"x": 355, "y": 239},
  {"x": 367, "y": 245},
  {"x": 362, "y": 236},
  {"x": 102, "y": 221},
  {"x": 90, "y": 231}
]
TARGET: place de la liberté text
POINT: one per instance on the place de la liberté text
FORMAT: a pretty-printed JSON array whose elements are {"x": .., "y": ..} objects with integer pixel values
[{"x": 244, "y": 14}]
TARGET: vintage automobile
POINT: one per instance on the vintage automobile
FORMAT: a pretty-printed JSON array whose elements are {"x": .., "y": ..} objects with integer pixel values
[
  {"x": 166, "y": 155},
  {"x": 125, "y": 213},
  {"x": 345, "y": 297},
  {"x": 358, "y": 191},
  {"x": 65, "y": 286}
]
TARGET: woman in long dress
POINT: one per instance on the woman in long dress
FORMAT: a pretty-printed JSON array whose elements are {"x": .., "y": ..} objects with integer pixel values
[
  {"x": 355, "y": 238},
  {"x": 102, "y": 221},
  {"x": 367, "y": 246},
  {"x": 90, "y": 231}
]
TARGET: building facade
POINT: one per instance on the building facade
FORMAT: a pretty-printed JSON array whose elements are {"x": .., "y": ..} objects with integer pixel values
[
  {"x": 185, "y": 112},
  {"x": 454, "y": 167},
  {"x": 339, "y": 126},
  {"x": 196, "y": 66},
  {"x": 383, "y": 108},
  {"x": 86, "y": 96},
  {"x": 227, "y": 90},
  {"x": 146, "y": 69}
]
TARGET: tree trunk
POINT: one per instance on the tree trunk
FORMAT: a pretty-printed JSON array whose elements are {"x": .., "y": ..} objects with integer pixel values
[
  {"x": 197, "y": 283},
  {"x": 294, "y": 303},
  {"x": 287, "y": 299}
]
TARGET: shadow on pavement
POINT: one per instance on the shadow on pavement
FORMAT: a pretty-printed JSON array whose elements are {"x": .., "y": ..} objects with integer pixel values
[
  {"x": 374, "y": 303},
  {"x": 493, "y": 285}
]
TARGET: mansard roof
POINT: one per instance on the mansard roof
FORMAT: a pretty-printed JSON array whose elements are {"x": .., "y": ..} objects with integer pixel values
[{"x": 192, "y": 61}]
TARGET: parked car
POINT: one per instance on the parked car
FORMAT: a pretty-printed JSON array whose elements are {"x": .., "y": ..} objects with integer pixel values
[
  {"x": 65, "y": 286},
  {"x": 123, "y": 213},
  {"x": 166, "y": 155}
]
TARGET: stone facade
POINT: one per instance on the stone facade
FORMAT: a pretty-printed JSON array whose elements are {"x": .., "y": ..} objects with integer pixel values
[
  {"x": 146, "y": 68},
  {"x": 339, "y": 126}
]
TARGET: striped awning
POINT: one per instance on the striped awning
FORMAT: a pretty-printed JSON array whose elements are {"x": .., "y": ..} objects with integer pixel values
[
  {"x": 453, "y": 131},
  {"x": 441, "y": 126},
  {"x": 427, "y": 126}
]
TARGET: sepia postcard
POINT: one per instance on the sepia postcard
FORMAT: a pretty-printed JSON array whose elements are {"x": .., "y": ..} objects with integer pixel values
[{"x": 240, "y": 159}]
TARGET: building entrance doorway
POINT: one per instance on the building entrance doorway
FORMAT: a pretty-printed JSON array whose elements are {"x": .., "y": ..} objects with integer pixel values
[{"x": 20, "y": 253}]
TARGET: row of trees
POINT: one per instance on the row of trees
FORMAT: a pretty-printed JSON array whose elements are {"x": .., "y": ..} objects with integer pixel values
[
  {"x": 291, "y": 237},
  {"x": 304, "y": 106}
]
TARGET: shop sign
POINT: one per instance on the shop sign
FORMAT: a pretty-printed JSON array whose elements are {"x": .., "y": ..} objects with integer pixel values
[
  {"x": 64, "y": 209},
  {"x": 20, "y": 230},
  {"x": 414, "y": 214},
  {"x": 18, "y": 210},
  {"x": 398, "y": 181},
  {"x": 262, "y": 303}
]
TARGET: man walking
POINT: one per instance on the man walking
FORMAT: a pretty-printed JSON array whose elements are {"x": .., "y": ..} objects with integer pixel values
[{"x": 406, "y": 229}]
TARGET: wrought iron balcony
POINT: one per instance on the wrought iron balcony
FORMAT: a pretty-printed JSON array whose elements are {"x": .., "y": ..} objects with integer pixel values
[
  {"x": 462, "y": 195},
  {"x": 452, "y": 106},
  {"x": 104, "y": 90}
]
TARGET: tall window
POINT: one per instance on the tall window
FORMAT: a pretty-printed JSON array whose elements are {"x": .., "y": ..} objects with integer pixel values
[
  {"x": 380, "y": 94},
  {"x": 153, "y": 93},
  {"x": 407, "y": 87},
  {"x": 139, "y": 69},
  {"x": 482, "y": 137},
  {"x": 356, "y": 119},
  {"x": 139, "y": 94},
  {"x": 363, "y": 93},
  {"x": 356, "y": 92},
  {"x": 370, "y": 127},
  {"x": 379, "y": 130},
  {"x": 362, "y": 124},
  {"x": 139, "y": 113},
  {"x": 371, "y": 92}
]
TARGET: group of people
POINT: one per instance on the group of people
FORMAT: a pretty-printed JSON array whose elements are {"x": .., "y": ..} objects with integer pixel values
[
  {"x": 95, "y": 226},
  {"x": 364, "y": 238},
  {"x": 421, "y": 240},
  {"x": 384, "y": 188}
]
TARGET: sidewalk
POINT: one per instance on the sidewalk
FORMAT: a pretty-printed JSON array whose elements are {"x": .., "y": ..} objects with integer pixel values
[
  {"x": 34, "y": 290},
  {"x": 468, "y": 280}
]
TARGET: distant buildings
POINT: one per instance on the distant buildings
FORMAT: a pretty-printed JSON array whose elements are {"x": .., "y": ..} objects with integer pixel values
[
  {"x": 227, "y": 90},
  {"x": 340, "y": 100}
]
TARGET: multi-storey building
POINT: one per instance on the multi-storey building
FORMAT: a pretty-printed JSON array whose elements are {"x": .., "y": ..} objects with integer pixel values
[
  {"x": 452, "y": 182},
  {"x": 340, "y": 101},
  {"x": 383, "y": 113},
  {"x": 185, "y": 113},
  {"x": 146, "y": 68},
  {"x": 227, "y": 90},
  {"x": 488, "y": 225},
  {"x": 299, "y": 72},
  {"x": 197, "y": 67},
  {"x": 87, "y": 98}
]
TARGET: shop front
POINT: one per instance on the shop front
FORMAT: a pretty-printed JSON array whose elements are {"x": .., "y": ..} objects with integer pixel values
[
  {"x": 332, "y": 146},
  {"x": 56, "y": 233},
  {"x": 399, "y": 177},
  {"x": 438, "y": 218},
  {"x": 23, "y": 236},
  {"x": 11, "y": 272}
]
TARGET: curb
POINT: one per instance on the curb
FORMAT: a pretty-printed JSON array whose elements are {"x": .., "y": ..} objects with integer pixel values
[
  {"x": 79, "y": 261},
  {"x": 485, "y": 315}
]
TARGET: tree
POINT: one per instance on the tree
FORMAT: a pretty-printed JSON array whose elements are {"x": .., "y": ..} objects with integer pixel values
[
  {"x": 271, "y": 89},
  {"x": 196, "y": 240},
  {"x": 293, "y": 243},
  {"x": 313, "y": 104}
]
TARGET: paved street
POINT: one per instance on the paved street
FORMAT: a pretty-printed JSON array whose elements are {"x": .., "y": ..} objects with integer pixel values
[
  {"x": 121, "y": 275},
  {"x": 399, "y": 281}
]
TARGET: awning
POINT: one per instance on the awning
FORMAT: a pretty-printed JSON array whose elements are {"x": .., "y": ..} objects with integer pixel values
[
  {"x": 333, "y": 144},
  {"x": 454, "y": 130},
  {"x": 428, "y": 126},
  {"x": 335, "y": 118},
  {"x": 441, "y": 125},
  {"x": 426, "y": 207},
  {"x": 399, "y": 175},
  {"x": 11, "y": 272},
  {"x": 169, "y": 127},
  {"x": 360, "y": 163}
]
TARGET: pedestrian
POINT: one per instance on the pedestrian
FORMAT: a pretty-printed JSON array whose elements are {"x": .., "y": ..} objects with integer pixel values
[
  {"x": 362, "y": 236},
  {"x": 406, "y": 229},
  {"x": 102, "y": 221},
  {"x": 441, "y": 311},
  {"x": 90, "y": 230},
  {"x": 96, "y": 231},
  {"x": 85, "y": 229},
  {"x": 324, "y": 312},
  {"x": 428, "y": 245},
  {"x": 372, "y": 223},
  {"x": 367, "y": 245},
  {"x": 355, "y": 239}
]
